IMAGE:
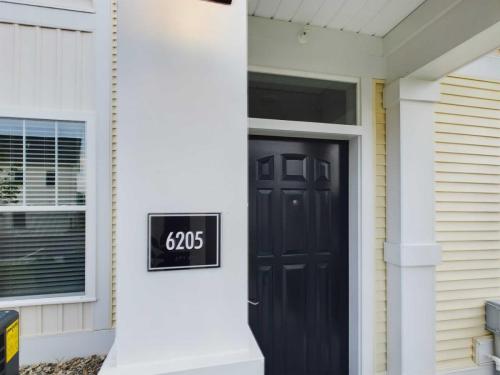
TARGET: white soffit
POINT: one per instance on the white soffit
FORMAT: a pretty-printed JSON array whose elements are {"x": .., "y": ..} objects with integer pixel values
[{"x": 371, "y": 17}]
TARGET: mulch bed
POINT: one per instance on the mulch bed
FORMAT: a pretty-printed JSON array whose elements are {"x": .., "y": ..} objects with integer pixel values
[{"x": 75, "y": 366}]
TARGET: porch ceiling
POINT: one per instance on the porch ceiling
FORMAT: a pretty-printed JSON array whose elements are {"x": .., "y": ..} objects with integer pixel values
[{"x": 372, "y": 17}]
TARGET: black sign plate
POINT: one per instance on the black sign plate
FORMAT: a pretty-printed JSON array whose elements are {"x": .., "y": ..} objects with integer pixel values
[
  {"x": 183, "y": 241},
  {"x": 222, "y": 1}
]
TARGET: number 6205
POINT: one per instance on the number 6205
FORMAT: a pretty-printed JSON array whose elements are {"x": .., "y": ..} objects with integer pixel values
[{"x": 184, "y": 240}]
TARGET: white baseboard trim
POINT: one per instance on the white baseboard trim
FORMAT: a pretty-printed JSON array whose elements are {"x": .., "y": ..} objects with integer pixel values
[
  {"x": 479, "y": 370},
  {"x": 55, "y": 348}
]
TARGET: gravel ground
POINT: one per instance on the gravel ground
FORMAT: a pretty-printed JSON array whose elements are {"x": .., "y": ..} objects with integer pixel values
[{"x": 76, "y": 366}]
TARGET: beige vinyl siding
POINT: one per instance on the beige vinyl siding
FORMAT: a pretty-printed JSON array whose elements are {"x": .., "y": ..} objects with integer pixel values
[
  {"x": 46, "y": 69},
  {"x": 380, "y": 157},
  {"x": 114, "y": 113},
  {"x": 467, "y": 166}
]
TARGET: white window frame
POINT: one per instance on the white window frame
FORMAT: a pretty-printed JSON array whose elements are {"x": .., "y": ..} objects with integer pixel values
[
  {"x": 89, "y": 295},
  {"x": 361, "y": 138},
  {"x": 317, "y": 76}
]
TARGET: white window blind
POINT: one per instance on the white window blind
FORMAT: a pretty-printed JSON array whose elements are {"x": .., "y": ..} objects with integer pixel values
[{"x": 42, "y": 207}]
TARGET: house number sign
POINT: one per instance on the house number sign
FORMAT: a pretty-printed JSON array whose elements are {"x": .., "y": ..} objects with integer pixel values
[{"x": 183, "y": 241}]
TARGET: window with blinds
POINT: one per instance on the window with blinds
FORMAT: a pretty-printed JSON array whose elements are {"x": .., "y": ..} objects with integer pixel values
[{"x": 42, "y": 207}]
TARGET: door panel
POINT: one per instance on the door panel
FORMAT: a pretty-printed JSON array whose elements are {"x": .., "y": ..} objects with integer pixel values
[
  {"x": 294, "y": 217},
  {"x": 298, "y": 254},
  {"x": 264, "y": 226},
  {"x": 294, "y": 313}
]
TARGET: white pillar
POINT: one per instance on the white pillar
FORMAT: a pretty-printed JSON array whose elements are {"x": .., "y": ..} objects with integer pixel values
[
  {"x": 182, "y": 148},
  {"x": 411, "y": 251}
]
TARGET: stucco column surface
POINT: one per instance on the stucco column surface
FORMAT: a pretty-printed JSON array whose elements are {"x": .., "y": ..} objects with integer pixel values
[{"x": 182, "y": 148}]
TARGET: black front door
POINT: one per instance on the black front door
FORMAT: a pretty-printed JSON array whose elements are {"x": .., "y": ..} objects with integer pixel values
[{"x": 298, "y": 276}]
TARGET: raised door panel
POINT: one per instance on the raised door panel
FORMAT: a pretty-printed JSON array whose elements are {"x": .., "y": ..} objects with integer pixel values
[
  {"x": 264, "y": 224},
  {"x": 264, "y": 331},
  {"x": 294, "y": 167},
  {"x": 265, "y": 168},
  {"x": 323, "y": 220},
  {"x": 294, "y": 313},
  {"x": 295, "y": 220},
  {"x": 322, "y": 170},
  {"x": 321, "y": 334}
]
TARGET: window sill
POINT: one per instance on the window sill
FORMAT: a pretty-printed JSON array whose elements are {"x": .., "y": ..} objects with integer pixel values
[{"x": 15, "y": 303}]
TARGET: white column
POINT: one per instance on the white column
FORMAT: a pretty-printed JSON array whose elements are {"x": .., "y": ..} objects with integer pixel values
[
  {"x": 411, "y": 251},
  {"x": 182, "y": 148}
]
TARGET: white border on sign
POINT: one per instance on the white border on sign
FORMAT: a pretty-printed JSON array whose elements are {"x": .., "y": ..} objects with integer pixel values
[{"x": 216, "y": 265}]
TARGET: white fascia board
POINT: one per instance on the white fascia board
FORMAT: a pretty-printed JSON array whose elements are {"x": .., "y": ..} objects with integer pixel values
[
  {"x": 415, "y": 23},
  {"x": 440, "y": 37}
]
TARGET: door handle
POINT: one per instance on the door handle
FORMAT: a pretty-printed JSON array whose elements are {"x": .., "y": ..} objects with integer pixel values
[{"x": 253, "y": 303}]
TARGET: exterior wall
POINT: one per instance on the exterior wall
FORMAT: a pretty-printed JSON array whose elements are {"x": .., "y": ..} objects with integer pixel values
[
  {"x": 467, "y": 166},
  {"x": 262, "y": 30},
  {"x": 47, "y": 68},
  {"x": 49, "y": 65},
  {"x": 380, "y": 233}
]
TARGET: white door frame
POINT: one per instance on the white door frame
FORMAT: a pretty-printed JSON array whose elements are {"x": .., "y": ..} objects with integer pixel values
[{"x": 361, "y": 207}]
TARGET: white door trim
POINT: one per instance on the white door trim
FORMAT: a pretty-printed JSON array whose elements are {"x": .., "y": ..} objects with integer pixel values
[{"x": 361, "y": 214}]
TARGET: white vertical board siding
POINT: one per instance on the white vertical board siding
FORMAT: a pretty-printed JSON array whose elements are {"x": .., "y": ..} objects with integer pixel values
[
  {"x": 43, "y": 68},
  {"x": 467, "y": 166},
  {"x": 114, "y": 114},
  {"x": 47, "y": 69},
  {"x": 380, "y": 276}
]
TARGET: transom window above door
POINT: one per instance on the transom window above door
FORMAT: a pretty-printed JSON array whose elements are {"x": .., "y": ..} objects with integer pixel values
[{"x": 291, "y": 98}]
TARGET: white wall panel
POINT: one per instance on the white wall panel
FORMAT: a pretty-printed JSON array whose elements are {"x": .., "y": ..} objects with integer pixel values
[
  {"x": 48, "y": 69},
  {"x": 467, "y": 167},
  {"x": 56, "y": 319},
  {"x": 44, "y": 68},
  {"x": 51, "y": 325},
  {"x": 26, "y": 44}
]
